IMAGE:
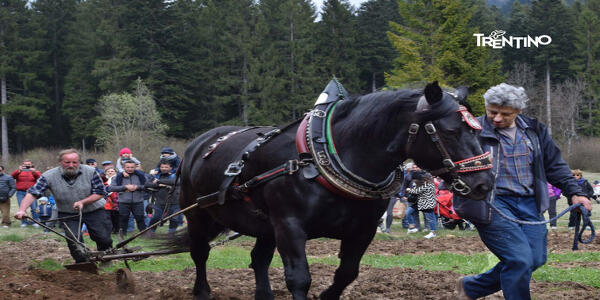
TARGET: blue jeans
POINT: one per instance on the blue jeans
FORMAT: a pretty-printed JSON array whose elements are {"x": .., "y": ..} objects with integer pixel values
[
  {"x": 521, "y": 250},
  {"x": 430, "y": 219},
  {"x": 130, "y": 224},
  {"x": 158, "y": 214},
  {"x": 137, "y": 209},
  {"x": 33, "y": 207},
  {"x": 412, "y": 216}
]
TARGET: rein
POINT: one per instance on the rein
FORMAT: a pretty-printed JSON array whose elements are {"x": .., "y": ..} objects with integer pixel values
[{"x": 583, "y": 214}]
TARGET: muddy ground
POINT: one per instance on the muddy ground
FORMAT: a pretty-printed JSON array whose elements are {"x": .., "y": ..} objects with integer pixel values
[{"x": 19, "y": 280}]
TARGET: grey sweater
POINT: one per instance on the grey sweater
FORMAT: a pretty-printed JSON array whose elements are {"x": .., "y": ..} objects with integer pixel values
[
  {"x": 126, "y": 196},
  {"x": 66, "y": 194}
]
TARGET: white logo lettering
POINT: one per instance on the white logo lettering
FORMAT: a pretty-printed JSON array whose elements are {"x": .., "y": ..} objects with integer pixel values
[{"x": 497, "y": 40}]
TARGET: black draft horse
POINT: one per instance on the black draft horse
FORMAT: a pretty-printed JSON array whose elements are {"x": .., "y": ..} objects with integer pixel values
[{"x": 371, "y": 134}]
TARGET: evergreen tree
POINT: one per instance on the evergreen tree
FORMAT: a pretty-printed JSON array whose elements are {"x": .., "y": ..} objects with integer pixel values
[
  {"x": 13, "y": 14},
  {"x": 337, "y": 50},
  {"x": 586, "y": 62},
  {"x": 184, "y": 78},
  {"x": 93, "y": 41},
  {"x": 54, "y": 19},
  {"x": 24, "y": 72},
  {"x": 437, "y": 44},
  {"x": 375, "y": 49},
  {"x": 518, "y": 25},
  {"x": 288, "y": 81},
  {"x": 551, "y": 17},
  {"x": 232, "y": 37}
]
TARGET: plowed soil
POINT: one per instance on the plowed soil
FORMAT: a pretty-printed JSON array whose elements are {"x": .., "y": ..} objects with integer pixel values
[{"x": 19, "y": 280}]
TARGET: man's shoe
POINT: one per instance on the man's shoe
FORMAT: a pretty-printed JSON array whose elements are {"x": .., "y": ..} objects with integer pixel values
[
  {"x": 23, "y": 225},
  {"x": 460, "y": 290},
  {"x": 412, "y": 230},
  {"x": 4, "y": 226},
  {"x": 430, "y": 235},
  {"x": 35, "y": 225},
  {"x": 552, "y": 227},
  {"x": 571, "y": 227}
]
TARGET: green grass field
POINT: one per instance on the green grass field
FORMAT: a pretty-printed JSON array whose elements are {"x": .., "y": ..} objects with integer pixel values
[{"x": 234, "y": 256}]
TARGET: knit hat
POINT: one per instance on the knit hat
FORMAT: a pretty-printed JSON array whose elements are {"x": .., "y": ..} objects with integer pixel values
[
  {"x": 168, "y": 150},
  {"x": 124, "y": 150}
]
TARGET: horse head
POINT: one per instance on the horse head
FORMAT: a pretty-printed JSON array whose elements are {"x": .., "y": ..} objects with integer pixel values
[{"x": 443, "y": 140}]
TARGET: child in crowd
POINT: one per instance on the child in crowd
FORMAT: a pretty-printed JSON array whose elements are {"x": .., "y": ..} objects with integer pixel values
[{"x": 45, "y": 211}]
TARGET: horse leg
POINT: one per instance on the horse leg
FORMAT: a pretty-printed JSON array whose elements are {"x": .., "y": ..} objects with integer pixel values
[
  {"x": 351, "y": 251},
  {"x": 262, "y": 254},
  {"x": 291, "y": 243},
  {"x": 201, "y": 233}
]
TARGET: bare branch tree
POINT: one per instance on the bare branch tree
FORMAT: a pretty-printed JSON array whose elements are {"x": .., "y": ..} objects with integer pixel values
[
  {"x": 566, "y": 107},
  {"x": 523, "y": 75}
]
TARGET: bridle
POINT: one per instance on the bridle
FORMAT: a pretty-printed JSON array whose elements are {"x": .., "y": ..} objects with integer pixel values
[{"x": 471, "y": 164}]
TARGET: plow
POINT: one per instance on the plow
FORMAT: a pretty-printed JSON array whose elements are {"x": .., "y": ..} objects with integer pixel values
[{"x": 124, "y": 277}]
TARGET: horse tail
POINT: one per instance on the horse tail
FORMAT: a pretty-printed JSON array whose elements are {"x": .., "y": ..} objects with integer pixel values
[{"x": 178, "y": 242}]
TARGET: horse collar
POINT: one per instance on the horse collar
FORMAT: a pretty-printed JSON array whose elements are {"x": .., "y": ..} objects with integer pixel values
[{"x": 314, "y": 138}]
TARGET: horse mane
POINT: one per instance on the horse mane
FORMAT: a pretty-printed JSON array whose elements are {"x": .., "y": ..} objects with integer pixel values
[{"x": 380, "y": 109}]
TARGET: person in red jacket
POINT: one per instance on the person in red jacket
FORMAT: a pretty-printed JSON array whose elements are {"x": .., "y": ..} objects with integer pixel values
[{"x": 25, "y": 177}]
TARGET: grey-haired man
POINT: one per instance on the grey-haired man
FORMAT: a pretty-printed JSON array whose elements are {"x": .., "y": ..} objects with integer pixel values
[
  {"x": 76, "y": 188},
  {"x": 524, "y": 157}
]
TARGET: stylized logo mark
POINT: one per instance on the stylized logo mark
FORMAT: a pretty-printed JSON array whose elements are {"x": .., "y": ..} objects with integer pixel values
[{"x": 497, "y": 40}]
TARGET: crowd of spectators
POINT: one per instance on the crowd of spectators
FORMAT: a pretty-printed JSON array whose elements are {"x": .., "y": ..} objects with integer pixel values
[{"x": 128, "y": 193}]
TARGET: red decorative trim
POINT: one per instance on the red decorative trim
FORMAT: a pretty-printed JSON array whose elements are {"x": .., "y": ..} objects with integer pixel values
[
  {"x": 336, "y": 191},
  {"x": 270, "y": 174},
  {"x": 469, "y": 118},
  {"x": 302, "y": 147}
]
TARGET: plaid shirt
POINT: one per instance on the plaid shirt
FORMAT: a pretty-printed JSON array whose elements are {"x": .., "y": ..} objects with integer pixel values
[
  {"x": 515, "y": 173},
  {"x": 42, "y": 184}
]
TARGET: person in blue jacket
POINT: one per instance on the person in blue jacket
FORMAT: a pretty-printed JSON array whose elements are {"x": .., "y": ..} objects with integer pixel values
[
  {"x": 524, "y": 158},
  {"x": 168, "y": 155}
]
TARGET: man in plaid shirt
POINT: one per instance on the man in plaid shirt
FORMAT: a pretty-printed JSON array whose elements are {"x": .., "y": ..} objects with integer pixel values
[
  {"x": 524, "y": 158},
  {"x": 76, "y": 188}
]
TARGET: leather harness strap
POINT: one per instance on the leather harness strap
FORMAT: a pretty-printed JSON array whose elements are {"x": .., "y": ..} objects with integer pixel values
[{"x": 471, "y": 164}]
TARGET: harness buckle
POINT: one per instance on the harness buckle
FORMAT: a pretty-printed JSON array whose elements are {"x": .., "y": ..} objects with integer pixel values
[
  {"x": 430, "y": 128},
  {"x": 413, "y": 128},
  {"x": 234, "y": 168},
  {"x": 292, "y": 166},
  {"x": 319, "y": 113}
]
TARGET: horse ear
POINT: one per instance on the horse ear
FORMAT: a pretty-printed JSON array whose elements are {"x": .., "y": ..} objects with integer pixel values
[
  {"x": 433, "y": 93},
  {"x": 461, "y": 95}
]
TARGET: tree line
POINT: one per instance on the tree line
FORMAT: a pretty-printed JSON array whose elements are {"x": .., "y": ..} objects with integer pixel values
[{"x": 206, "y": 63}]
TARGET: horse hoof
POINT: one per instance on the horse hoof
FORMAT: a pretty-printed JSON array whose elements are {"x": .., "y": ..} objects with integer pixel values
[
  {"x": 202, "y": 296},
  {"x": 326, "y": 295}
]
